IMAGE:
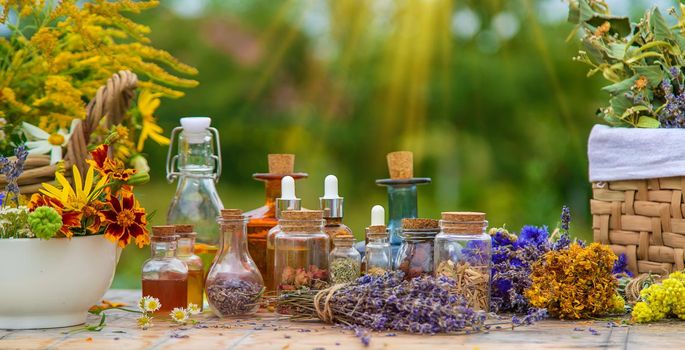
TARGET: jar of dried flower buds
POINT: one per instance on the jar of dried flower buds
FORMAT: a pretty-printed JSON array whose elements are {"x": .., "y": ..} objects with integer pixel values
[
  {"x": 345, "y": 260},
  {"x": 415, "y": 257},
  {"x": 302, "y": 248},
  {"x": 463, "y": 252},
  {"x": 234, "y": 285}
]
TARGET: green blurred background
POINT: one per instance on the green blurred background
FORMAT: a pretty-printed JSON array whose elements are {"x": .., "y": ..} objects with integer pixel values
[{"x": 484, "y": 93}]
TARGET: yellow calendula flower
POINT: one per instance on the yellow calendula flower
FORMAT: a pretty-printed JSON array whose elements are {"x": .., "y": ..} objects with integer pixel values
[
  {"x": 149, "y": 304},
  {"x": 147, "y": 104},
  {"x": 79, "y": 196},
  {"x": 179, "y": 315}
]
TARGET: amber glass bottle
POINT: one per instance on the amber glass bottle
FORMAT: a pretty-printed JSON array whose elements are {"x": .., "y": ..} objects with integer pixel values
[
  {"x": 263, "y": 219},
  {"x": 186, "y": 253},
  {"x": 165, "y": 277}
]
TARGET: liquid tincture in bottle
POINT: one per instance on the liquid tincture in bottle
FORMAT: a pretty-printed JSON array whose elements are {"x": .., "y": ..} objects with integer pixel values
[
  {"x": 234, "y": 284},
  {"x": 197, "y": 165},
  {"x": 165, "y": 277},
  {"x": 378, "y": 257},
  {"x": 287, "y": 201},
  {"x": 301, "y": 259},
  {"x": 402, "y": 194},
  {"x": 196, "y": 273},
  {"x": 263, "y": 219},
  {"x": 332, "y": 206}
]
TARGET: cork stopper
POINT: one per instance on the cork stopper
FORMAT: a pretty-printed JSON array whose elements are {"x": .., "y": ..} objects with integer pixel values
[
  {"x": 420, "y": 224},
  {"x": 184, "y": 230},
  {"x": 377, "y": 232},
  {"x": 301, "y": 221},
  {"x": 231, "y": 214},
  {"x": 164, "y": 233},
  {"x": 463, "y": 223},
  {"x": 462, "y": 216},
  {"x": 401, "y": 165},
  {"x": 344, "y": 240},
  {"x": 281, "y": 163}
]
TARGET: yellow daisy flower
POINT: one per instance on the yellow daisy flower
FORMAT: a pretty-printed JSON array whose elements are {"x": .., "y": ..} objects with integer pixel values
[
  {"x": 144, "y": 321},
  {"x": 147, "y": 104},
  {"x": 193, "y": 309},
  {"x": 149, "y": 304},
  {"x": 79, "y": 196},
  {"x": 179, "y": 315}
]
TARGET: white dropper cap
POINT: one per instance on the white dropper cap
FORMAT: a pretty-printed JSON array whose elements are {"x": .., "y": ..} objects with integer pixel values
[
  {"x": 195, "y": 128},
  {"x": 288, "y": 188},
  {"x": 330, "y": 187},
  {"x": 377, "y": 215}
]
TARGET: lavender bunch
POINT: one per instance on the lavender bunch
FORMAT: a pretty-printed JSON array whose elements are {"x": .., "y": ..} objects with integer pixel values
[
  {"x": 424, "y": 304},
  {"x": 12, "y": 170}
]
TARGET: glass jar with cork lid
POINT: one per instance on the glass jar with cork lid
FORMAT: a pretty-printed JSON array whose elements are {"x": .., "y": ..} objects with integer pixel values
[
  {"x": 415, "y": 257},
  {"x": 302, "y": 249},
  {"x": 463, "y": 252},
  {"x": 165, "y": 277},
  {"x": 196, "y": 272},
  {"x": 234, "y": 285},
  {"x": 344, "y": 261}
]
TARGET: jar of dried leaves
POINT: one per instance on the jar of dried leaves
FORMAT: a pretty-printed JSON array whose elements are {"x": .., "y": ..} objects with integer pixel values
[
  {"x": 463, "y": 252},
  {"x": 415, "y": 257},
  {"x": 344, "y": 260}
]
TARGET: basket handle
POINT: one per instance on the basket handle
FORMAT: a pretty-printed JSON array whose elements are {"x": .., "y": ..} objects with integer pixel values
[{"x": 111, "y": 101}]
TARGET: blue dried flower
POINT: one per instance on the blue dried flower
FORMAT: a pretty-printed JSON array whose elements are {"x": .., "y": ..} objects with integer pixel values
[
  {"x": 621, "y": 266},
  {"x": 565, "y": 218},
  {"x": 533, "y": 235}
]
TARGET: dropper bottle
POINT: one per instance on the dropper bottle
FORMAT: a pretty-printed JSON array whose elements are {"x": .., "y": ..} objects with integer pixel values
[
  {"x": 287, "y": 201},
  {"x": 332, "y": 206},
  {"x": 378, "y": 257}
]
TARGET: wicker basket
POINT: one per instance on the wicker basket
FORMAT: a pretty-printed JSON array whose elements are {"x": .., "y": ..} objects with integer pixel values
[
  {"x": 108, "y": 108},
  {"x": 643, "y": 219}
]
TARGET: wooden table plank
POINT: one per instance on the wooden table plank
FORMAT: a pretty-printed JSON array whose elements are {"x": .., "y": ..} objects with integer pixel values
[{"x": 269, "y": 331}]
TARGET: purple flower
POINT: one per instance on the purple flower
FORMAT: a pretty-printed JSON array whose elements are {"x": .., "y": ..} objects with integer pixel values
[
  {"x": 621, "y": 266},
  {"x": 565, "y": 218},
  {"x": 12, "y": 170}
]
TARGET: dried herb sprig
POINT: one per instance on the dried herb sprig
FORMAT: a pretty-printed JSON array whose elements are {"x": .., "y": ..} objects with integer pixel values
[
  {"x": 422, "y": 305},
  {"x": 471, "y": 282}
]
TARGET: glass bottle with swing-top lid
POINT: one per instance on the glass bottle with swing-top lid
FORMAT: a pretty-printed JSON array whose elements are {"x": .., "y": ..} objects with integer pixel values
[{"x": 197, "y": 166}]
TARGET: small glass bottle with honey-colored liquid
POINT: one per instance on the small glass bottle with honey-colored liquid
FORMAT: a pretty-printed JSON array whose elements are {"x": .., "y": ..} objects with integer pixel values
[
  {"x": 165, "y": 277},
  {"x": 263, "y": 219},
  {"x": 196, "y": 272},
  {"x": 332, "y": 207}
]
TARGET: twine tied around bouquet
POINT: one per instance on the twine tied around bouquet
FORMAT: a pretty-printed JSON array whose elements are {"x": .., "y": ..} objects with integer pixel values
[
  {"x": 322, "y": 302},
  {"x": 637, "y": 284}
]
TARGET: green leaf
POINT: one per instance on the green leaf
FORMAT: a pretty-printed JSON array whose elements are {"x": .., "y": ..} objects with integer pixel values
[
  {"x": 620, "y": 103},
  {"x": 619, "y": 25},
  {"x": 659, "y": 26},
  {"x": 580, "y": 12},
  {"x": 648, "y": 122},
  {"x": 621, "y": 86},
  {"x": 594, "y": 52},
  {"x": 618, "y": 50},
  {"x": 654, "y": 74}
]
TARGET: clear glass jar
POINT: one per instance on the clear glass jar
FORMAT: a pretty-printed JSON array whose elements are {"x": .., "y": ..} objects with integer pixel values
[
  {"x": 196, "y": 272},
  {"x": 197, "y": 166},
  {"x": 463, "y": 252},
  {"x": 415, "y": 256},
  {"x": 378, "y": 257},
  {"x": 282, "y": 204},
  {"x": 165, "y": 277},
  {"x": 344, "y": 260},
  {"x": 302, "y": 249},
  {"x": 234, "y": 285}
]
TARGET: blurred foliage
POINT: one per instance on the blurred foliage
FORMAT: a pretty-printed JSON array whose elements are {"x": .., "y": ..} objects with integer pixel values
[{"x": 497, "y": 116}]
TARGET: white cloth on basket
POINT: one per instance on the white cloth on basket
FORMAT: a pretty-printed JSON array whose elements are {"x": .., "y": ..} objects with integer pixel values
[{"x": 633, "y": 153}]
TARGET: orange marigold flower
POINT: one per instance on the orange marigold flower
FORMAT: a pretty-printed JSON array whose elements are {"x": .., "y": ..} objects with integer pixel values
[
  {"x": 113, "y": 168},
  {"x": 125, "y": 219}
]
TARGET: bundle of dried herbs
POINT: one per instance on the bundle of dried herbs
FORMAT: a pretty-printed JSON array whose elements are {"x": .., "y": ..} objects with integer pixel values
[{"x": 421, "y": 305}]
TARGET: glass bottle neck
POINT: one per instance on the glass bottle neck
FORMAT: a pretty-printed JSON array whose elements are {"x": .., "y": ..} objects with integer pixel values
[
  {"x": 162, "y": 250},
  {"x": 402, "y": 202},
  {"x": 234, "y": 239},
  {"x": 273, "y": 191},
  {"x": 186, "y": 246},
  {"x": 377, "y": 241},
  {"x": 195, "y": 159}
]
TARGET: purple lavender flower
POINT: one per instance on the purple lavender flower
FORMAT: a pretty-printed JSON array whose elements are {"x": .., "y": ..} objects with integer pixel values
[
  {"x": 675, "y": 72},
  {"x": 12, "y": 170},
  {"x": 565, "y": 218},
  {"x": 621, "y": 266}
]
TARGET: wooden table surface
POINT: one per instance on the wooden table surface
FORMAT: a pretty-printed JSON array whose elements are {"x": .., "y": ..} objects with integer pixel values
[{"x": 267, "y": 331}]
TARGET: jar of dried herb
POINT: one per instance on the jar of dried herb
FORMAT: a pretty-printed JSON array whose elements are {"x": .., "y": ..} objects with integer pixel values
[
  {"x": 302, "y": 249},
  {"x": 463, "y": 252},
  {"x": 234, "y": 285},
  {"x": 345, "y": 260},
  {"x": 415, "y": 257}
]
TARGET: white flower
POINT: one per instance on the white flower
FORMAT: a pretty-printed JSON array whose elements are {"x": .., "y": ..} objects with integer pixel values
[
  {"x": 179, "y": 315},
  {"x": 193, "y": 309},
  {"x": 149, "y": 304},
  {"x": 144, "y": 322},
  {"x": 40, "y": 142}
]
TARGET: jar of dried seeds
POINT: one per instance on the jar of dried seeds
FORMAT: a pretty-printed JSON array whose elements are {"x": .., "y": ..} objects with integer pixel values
[
  {"x": 463, "y": 252},
  {"x": 345, "y": 260},
  {"x": 415, "y": 257}
]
